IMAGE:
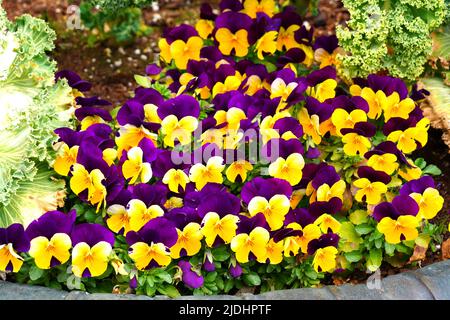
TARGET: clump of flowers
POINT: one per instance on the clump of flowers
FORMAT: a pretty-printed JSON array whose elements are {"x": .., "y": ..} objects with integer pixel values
[{"x": 245, "y": 161}]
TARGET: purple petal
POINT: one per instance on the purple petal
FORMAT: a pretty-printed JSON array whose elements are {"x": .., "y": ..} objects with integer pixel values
[
  {"x": 84, "y": 112},
  {"x": 51, "y": 223},
  {"x": 190, "y": 278},
  {"x": 233, "y": 21},
  {"x": 221, "y": 203},
  {"x": 417, "y": 186},
  {"x": 74, "y": 80},
  {"x": 153, "y": 69},
  {"x": 235, "y": 270},
  {"x": 157, "y": 230},
  {"x": 318, "y": 208},
  {"x": 181, "y": 32},
  {"x": 92, "y": 102},
  {"x": 91, "y": 234},
  {"x": 325, "y": 175},
  {"x": 301, "y": 216},
  {"x": 319, "y": 76},
  {"x": 15, "y": 234},
  {"x": 181, "y": 106},
  {"x": 373, "y": 175},
  {"x": 329, "y": 43},
  {"x": 247, "y": 224},
  {"x": 266, "y": 188},
  {"x": 405, "y": 205},
  {"x": 183, "y": 216},
  {"x": 325, "y": 240},
  {"x": 209, "y": 266}
]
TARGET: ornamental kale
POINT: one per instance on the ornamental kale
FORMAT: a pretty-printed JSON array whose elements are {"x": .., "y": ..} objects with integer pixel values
[
  {"x": 392, "y": 36},
  {"x": 32, "y": 105}
]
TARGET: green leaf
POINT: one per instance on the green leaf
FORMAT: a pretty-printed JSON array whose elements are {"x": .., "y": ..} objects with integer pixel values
[
  {"x": 143, "y": 81},
  {"x": 353, "y": 256},
  {"x": 363, "y": 229},
  {"x": 358, "y": 217},
  {"x": 220, "y": 254},
  {"x": 35, "y": 273},
  {"x": 211, "y": 276},
  {"x": 423, "y": 240},
  {"x": 375, "y": 259},
  {"x": 442, "y": 43},
  {"x": 229, "y": 284},
  {"x": 420, "y": 162},
  {"x": 252, "y": 279},
  {"x": 169, "y": 291},
  {"x": 165, "y": 276},
  {"x": 432, "y": 170},
  {"x": 389, "y": 248}
]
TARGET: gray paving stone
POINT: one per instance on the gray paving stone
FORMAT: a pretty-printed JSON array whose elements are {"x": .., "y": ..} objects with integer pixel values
[
  {"x": 355, "y": 292},
  {"x": 13, "y": 291},
  {"x": 437, "y": 279},
  {"x": 431, "y": 282},
  {"x": 219, "y": 297},
  {"x": 404, "y": 286},
  {"x": 297, "y": 294}
]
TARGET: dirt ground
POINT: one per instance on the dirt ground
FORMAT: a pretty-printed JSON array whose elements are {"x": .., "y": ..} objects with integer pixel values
[{"x": 112, "y": 69}]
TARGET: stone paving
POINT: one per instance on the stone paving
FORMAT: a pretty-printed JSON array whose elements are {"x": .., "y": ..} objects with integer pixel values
[{"x": 429, "y": 283}]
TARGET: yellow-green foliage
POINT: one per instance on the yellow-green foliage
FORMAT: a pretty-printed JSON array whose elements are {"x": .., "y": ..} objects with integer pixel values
[{"x": 389, "y": 35}]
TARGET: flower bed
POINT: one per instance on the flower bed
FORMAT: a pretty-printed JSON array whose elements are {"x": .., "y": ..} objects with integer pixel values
[{"x": 244, "y": 161}]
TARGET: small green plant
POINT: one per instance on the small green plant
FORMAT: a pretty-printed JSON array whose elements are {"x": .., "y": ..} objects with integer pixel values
[{"x": 121, "y": 26}]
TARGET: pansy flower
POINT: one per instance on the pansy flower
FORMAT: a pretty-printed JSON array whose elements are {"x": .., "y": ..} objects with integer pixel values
[
  {"x": 89, "y": 116},
  {"x": 149, "y": 247},
  {"x": 397, "y": 220},
  {"x": 290, "y": 23},
  {"x": 92, "y": 246},
  {"x": 255, "y": 242},
  {"x": 325, "y": 252},
  {"x": 137, "y": 166},
  {"x": 92, "y": 181},
  {"x": 50, "y": 238},
  {"x": 423, "y": 191},
  {"x": 66, "y": 158},
  {"x": 238, "y": 170},
  {"x": 189, "y": 241},
  {"x": 356, "y": 141},
  {"x": 412, "y": 138},
  {"x": 273, "y": 209},
  {"x": 252, "y": 7},
  {"x": 119, "y": 219},
  {"x": 13, "y": 241},
  {"x": 179, "y": 119},
  {"x": 214, "y": 226},
  {"x": 371, "y": 185},
  {"x": 205, "y": 25},
  {"x": 180, "y": 44},
  {"x": 232, "y": 34},
  {"x": 326, "y": 50},
  {"x": 139, "y": 214},
  {"x": 322, "y": 84},
  {"x": 289, "y": 169},
  {"x": 202, "y": 174}
]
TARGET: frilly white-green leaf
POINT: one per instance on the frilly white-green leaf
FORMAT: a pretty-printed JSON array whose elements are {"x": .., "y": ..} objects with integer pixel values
[{"x": 32, "y": 106}]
